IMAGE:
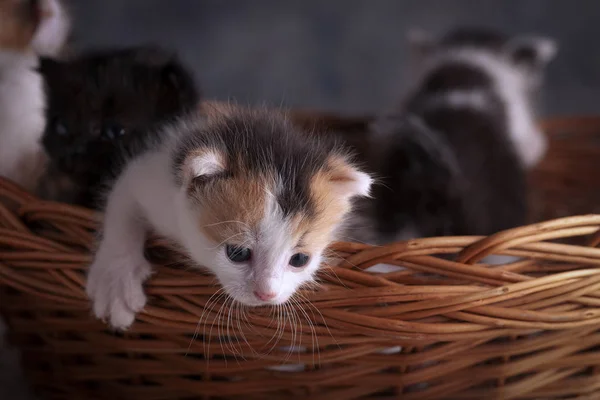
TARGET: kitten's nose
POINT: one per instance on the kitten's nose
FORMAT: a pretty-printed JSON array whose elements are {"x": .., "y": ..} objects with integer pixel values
[{"x": 265, "y": 296}]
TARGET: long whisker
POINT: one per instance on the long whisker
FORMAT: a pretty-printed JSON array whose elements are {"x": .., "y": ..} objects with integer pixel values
[{"x": 206, "y": 307}]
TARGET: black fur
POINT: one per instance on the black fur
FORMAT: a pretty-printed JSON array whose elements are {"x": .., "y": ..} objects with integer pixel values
[
  {"x": 264, "y": 143},
  {"x": 445, "y": 170},
  {"x": 101, "y": 103}
]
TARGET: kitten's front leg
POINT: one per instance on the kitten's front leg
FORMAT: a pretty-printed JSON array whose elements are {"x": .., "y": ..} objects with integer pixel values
[{"x": 115, "y": 278}]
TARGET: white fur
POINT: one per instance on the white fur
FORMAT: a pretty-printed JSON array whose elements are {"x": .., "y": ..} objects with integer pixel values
[
  {"x": 145, "y": 197},
  {"x": 207, "y": 163},
  {"x": 53, "y": 30},
  {"x": 512, "y": 86},
  {"x": 458, "y": 99},
  {"x": 22, "y": 118},
  {"x": 357, "y": 183}
]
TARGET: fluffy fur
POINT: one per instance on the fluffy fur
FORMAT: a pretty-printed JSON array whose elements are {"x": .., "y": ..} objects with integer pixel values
[
  {"x": 515, "y": 67},
  {"x": 54, "y": 29},
  {"x": 233, "y": 177},
  {"x": 453, "y": 161},
  {"x": 21, "y": 94},
  {"x": 100, "y": 104},
  {"x": 27, "y": 29}
]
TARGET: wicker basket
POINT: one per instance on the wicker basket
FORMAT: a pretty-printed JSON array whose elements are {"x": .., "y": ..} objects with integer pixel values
[{"x": 436, "y": 329}]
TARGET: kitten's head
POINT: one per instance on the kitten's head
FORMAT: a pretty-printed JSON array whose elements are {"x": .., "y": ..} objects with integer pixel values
[
  {"x": 19, "y": 20},
  {"x": 261, "y": 200},
  {"x": 100, "y": 101},
  {"x": 527, "y": 56}
]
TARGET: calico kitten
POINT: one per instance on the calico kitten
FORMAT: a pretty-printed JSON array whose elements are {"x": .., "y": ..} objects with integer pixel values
[
  {"x": 99, "y": 104},
  {"x": 453, "y": 161},
  {"x": 243, "y": 192}
]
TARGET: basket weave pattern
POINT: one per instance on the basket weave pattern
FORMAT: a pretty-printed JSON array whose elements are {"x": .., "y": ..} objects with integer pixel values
[{"x": 433, "y": 329}]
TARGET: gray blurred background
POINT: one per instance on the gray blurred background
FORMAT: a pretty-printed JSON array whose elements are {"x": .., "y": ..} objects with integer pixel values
[{"x": 341, "y": 55}]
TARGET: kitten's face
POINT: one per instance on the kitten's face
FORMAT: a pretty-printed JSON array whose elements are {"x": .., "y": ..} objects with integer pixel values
[
  {"x": 98, "y": 103},
  {"x": 18, "y": 22},
  {"x": 264, "y": 231}
]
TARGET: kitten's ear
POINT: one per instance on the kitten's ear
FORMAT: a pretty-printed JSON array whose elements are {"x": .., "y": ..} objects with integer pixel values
[
  {"x": 177, "y": 91},
  {"x": 347, "y": 180},
  {"x": 201, "y": 166},
  {"x": 421, "y": 43},
  {"x": 532, "y": 51},
  {"x": 178, "y": 88}
]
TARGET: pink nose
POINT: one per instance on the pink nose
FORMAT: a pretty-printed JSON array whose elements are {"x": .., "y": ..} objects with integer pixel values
[{"x": 265, "y": 296}]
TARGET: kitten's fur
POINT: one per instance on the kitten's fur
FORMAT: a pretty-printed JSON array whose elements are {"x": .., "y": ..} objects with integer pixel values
[
  {"x": 453, "y": 162},
  {"x": 21, "y": 94},
  {"x": 99, "y": 104},
  {"x": 22, "y": 100},
  {"x": 515, "y": 70},
  {"x": 235, "y": 177},
  {"x": 54, "y": 30}
]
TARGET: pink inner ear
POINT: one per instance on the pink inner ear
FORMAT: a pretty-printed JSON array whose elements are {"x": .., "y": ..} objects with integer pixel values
[
  {"x": 205, "y": 162},
  {"x": 348, "y": 180}
]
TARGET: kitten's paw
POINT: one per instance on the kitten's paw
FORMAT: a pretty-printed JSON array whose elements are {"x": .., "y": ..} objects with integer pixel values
[{"x": 114, "y": 286}]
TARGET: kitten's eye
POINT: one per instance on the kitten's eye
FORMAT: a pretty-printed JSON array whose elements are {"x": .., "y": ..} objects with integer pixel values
[
  {"x": 112, "y": 131},
  {"x": 238, "y": 254},
  {"x": 59, "y": 128},
  {"x": 299, "y": 260}
]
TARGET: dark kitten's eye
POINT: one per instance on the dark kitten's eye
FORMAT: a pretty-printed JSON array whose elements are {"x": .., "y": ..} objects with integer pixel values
[
  {"x": 59, "y": 127},
  {"x": 112, "y": 131},
  {"x": 299, "y": 260},
  {"x": 238, "y": 254}
]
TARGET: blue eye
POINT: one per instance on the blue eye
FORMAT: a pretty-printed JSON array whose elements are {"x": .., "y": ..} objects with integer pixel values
[
  {"x": 112, "y": 131},
  {"x": 299, "y": 260},
  {"x": 238, "y": 254}
]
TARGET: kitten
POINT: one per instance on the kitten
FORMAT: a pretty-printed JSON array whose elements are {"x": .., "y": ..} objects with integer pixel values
[
  {"x": 21, "y": 94},
  {"x": 514, "y": 68},
  {"x": 99, "y": 104},
  {"x": 453, "y": 161},
  {"x": 23, "y": 36},
  {"x": 244, "y": 193}
]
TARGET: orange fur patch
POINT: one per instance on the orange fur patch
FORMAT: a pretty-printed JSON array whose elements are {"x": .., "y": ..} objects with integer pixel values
[
  {"x": 232, "y": 208},
  {"x": 18, "y": 22},
  {"x": 330, "y": 210}
]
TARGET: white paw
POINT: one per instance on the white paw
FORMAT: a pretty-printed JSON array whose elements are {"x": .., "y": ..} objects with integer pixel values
[{"x": 114, "y": 285}]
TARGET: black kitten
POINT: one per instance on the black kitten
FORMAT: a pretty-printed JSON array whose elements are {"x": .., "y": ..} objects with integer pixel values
[
  {"x": 454, "y": 161},
  {"x": 99, "y": 105}
]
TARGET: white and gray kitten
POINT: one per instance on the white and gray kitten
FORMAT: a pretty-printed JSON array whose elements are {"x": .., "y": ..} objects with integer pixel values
[{"x": 453, "y": 161}]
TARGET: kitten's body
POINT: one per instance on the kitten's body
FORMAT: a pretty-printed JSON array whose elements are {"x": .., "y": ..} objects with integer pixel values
[
  {"x": 453, "y": 162},
  {"x": 99, "y": 105},
  {"x": 21, "y": 118},
  {"x": 236, "y": 183},
  {"x": 22, "y": 99}
]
